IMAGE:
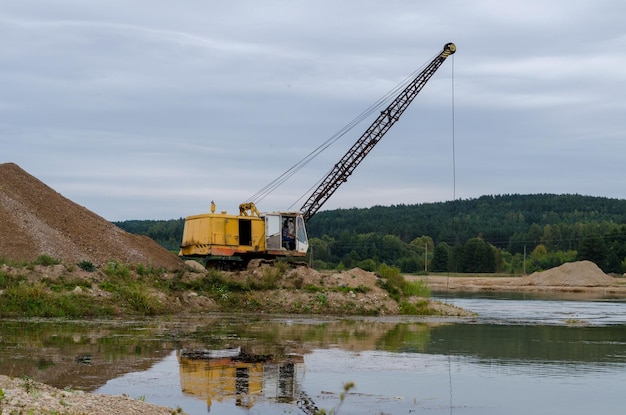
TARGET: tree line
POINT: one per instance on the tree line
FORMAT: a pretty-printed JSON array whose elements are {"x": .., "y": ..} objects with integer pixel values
[{"x": 506, "y": 233}]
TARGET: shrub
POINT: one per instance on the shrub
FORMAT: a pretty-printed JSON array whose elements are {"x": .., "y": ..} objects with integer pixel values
[
  {"x": 417, "y": 288},
  {"x": 393, "y": 282},
  {"x": 421, "y": 307},
  {"x": 46, "y": 260},
  {"x": 138, "y": 299},
  {"x": 322, "y": 299},
  {"x": 142, "y": 270},
  {"x": 115, "y": 269},
  {"x": 367, "y": 265},
  {"x": 310, "y": 288},
  {"x": 86, "y": 266}
]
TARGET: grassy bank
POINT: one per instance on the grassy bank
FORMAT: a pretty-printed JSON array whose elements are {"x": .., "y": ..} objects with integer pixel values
[{"x": 48, "y": 288}]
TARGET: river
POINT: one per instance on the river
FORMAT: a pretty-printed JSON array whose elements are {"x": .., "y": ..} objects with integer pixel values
[{"x": 517, "y": 356}]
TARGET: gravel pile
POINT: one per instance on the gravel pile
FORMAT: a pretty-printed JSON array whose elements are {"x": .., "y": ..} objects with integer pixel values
[
  {"x": 36, "y": 220},
  {"x": 572, "y": 274}
]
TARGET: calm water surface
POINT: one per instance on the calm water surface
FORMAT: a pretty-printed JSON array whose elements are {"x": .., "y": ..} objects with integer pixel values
[{"x": 518, "y": 356}]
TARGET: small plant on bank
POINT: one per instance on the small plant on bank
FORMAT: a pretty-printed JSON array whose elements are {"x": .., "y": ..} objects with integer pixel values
[
  {"x": 115, "y": 269},
  {"x": 46, "y": 260},
  {"x": 417, "y": 288},
  {"x": 342, "y": 396},
  {"x": 312, "y": 288},
  {"x": 28, "y": 384},
  {"x": 322, "y": 299},
  {"x": 392, "y": 281},
  {"x": 270, "y": 278},
  {"x": 86, "y": 266},
  {"x": 400, "y": 289},
  {"x": 421, "y": 307}
]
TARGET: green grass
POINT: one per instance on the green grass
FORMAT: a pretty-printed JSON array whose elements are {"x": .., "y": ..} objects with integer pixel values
[
  {"x": 35, "y": 300},
  {"x": 121, "y": 289},
  {"x": 398, "y": 287}
]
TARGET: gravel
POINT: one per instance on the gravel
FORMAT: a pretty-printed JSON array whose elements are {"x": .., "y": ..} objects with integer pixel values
[
  {"x": 25, "y": 396},
  {"x": 36, "y": 220}
]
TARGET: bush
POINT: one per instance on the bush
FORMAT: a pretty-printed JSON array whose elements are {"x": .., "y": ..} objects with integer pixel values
[
  {"x": 46, "y": 260},
  {"x": 115, "y": 269},
  {"x": 86, "y": 266},
  {"x": 138, "y": 299},
  {"x": 416, "y": 288},
  {"x": 419, "y": 308},
  {"x": 393, "y": 282}
]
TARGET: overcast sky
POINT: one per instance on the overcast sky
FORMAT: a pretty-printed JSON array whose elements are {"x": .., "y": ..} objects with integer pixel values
[{"x": 150, "y": 109}]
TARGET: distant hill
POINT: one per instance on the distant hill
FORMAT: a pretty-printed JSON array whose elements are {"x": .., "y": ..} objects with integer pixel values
[
  {"x": 500, "y": 220},
  {"x": 497, "y": 219}
]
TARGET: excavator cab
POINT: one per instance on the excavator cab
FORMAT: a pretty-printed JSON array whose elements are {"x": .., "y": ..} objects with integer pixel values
[{"x": 285, "y": 231}]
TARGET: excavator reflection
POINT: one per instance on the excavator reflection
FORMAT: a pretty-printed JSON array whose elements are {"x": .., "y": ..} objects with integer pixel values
[{"x": 233, "y": 374}]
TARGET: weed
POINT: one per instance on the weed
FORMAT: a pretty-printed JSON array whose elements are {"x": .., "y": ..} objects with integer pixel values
[
  {"x": 342, "y": 396},
  {"x": 421, "y": 307},
  {"x": 137, "y": 297},
  {"x": 63, "y": 284},
  {"x": 46, "y": 260},
  {"x": 271, "y": 276},
  {"x": 141, "y": 270},
  {"x": 7, "y": 280},
  {"x": 298, "y": 282},
  {"x": 358, "y": 289},
  {"x": 392, "y": 276},
  {"x": 28, "y": 384},
  {"x": 322, "y": 299},
  {"x": 417, "y": 288},
  {"x": 86, "y": 266},
  {"x": 310, "y": 288},
  {"x": 115, "y": 269}
]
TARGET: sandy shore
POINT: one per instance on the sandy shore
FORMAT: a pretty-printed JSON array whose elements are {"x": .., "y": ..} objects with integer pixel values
[{"x": 514, "y": 284}]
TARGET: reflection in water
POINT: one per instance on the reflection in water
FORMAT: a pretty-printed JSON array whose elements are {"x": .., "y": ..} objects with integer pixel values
[
  {"x": 230, "y": 374},
  {"x": 230, "y": 364},
  {"x": 81, "y": 355}
]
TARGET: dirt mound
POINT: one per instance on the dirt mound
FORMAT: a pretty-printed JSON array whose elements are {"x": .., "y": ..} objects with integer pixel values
[
  {"x": 571, "y": 274},
  {"x": 36, "y": 220}
]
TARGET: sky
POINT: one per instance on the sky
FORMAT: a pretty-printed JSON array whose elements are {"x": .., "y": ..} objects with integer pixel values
[{"x": 151, "y": 109}]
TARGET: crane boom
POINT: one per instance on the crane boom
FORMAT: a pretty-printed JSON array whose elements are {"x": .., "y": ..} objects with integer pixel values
[{"x": 387, "y": 118}]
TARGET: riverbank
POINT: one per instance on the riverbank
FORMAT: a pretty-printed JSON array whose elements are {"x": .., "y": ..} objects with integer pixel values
[
  {"x": 25, "y": 396},
  {"x": 582, "y": 277},
  {"x": 48, "y": 288}
]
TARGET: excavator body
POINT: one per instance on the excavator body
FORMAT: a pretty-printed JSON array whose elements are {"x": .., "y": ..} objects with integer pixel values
[{"x": 231, "y": 241}]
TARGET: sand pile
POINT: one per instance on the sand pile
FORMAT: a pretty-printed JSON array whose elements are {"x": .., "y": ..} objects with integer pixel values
[
  {"x": 36, "y": 220},
  {"x": 571, "y": 274}
]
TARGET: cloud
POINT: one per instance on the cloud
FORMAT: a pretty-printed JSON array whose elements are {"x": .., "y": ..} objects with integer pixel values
[{"x": 151, "y": 109}]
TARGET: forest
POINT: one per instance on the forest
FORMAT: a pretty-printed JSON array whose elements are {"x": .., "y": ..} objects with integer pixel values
[{"x": 513, "y": 234}]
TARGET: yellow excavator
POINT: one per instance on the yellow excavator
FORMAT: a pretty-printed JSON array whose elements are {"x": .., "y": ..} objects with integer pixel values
[{"x": 227, "y": 241}]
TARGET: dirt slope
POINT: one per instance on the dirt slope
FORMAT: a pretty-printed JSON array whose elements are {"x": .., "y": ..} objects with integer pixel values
[{"x": 36, "y": 220}]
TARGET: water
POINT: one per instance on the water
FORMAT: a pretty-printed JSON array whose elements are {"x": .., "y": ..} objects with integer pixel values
[
  {"x": 532, "y": 311},
  {"x": 515, "y": 357}
]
